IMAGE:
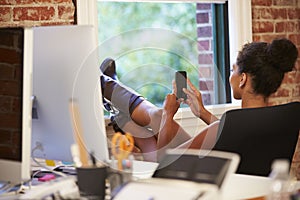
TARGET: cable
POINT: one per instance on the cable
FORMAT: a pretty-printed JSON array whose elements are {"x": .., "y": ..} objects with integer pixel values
[{"x": 39, "y": 146}]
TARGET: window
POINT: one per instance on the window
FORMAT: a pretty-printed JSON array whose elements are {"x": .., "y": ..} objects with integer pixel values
[{"x": 239, "y": 30}]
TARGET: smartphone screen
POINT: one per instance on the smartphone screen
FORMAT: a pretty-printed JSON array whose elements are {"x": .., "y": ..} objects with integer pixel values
[{"x": 180, "y": 79}]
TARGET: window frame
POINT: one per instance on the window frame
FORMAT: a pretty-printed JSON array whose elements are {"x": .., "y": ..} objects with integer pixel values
[{"x": 239, "y": 20}]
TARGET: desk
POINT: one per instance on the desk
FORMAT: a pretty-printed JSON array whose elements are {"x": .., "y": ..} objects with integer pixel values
[
  {"x": 238, "y": 186},
  {"x": 241, "y": 186}
]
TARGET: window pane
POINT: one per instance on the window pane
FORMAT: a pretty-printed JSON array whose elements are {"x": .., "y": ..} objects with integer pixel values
[{"x": 151, "y": 41}]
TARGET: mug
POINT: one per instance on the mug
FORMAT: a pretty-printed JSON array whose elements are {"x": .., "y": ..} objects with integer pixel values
[{"x": 92, "y": 181}]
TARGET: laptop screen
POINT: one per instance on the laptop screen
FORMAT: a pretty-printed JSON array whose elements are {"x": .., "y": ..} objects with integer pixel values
[{"x": 198, "y": 166}]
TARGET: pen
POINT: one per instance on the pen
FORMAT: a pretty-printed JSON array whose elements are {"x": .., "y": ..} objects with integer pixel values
[
  {"x": 75, "y": 118},
  {"x": 93, "y": 159}
]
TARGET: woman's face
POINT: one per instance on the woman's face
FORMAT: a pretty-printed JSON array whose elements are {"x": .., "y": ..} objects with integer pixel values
[{"x": 234, "y": 80}]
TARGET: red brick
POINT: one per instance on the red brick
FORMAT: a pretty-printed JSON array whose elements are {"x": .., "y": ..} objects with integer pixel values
[
  {"x": 9, "y": 120},
  {"x": 18, "y": 73},
  {"x": 33, "y": 13},
  {"x": 5, "y": 105},
  {"x": 297, "y": 66},
  {"x": 16, "y": 104},
  {"x": 262, "y": 27},
  {"x": 284, "y": 3},
  {"x": 272, "y": 36},
  {"x": 7, "y": 2},
  {"x": 295, "y": 38},
  {"x": 261, "y": 2},
  {"x": 279, "y": 13},
  {"x": 297, "y": 155},
  {"x": 282, "y": 92},
  {"x": 291, "y": 27},
  {"x": 291, "y": 78},
  {"x": 280, "y": 27},
  {"x": 296, "y": 91},
  {"x": 203, "y": 6},
  {"x": 266, "y": 13},
  {"x": 205, "y": 72},
  {"x": 5, "y": 14},
  {"x": 6, "y": 39},
  {"x": 202, "y": 18},
  {"x": 6, "y": 72},
  {"x": 9, "y": 152},
  {"x": 10, "y": 88},
  {"x": 66, "y": 12},
  {"x": 256, "y": 13},
  {"x": 16, "y": 137},
  {"x": 53, "y": 1},
  {"x": 24, "y": 2},
  {"x": 205, "y": 58},
  {"x": 10, "y": 56},
  {"x": 204, "y": 45},
  {"x": 206, "y": 85},
  {"x": 256, "y": 38},
  {"x": 205, "y": 31},
  {"x": 207, "y": 98},
  {"x": 293, "y": 13},
  {"x": 5, "y": 136}
]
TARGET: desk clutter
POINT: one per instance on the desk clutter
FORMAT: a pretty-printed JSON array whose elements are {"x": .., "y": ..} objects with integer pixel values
[{"x": 188, "y": 174}]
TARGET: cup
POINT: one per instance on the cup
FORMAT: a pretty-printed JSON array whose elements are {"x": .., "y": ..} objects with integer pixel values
[
  {"x": 116, "y": 182},
  {"x": 92, "y": 181}
]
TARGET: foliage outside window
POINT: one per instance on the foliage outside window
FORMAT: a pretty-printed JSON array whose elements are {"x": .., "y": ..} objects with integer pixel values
[{"x": 149, "y": 69}]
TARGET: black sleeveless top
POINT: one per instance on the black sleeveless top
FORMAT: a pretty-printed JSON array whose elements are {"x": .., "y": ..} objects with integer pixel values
[{"x": 260, "y": 135}]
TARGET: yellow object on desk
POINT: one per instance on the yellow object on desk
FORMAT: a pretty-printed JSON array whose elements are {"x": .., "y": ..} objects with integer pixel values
[{"x": 122, "y": 145}]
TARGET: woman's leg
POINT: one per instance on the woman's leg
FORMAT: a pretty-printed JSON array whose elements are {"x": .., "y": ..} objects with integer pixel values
[
  {"x": 130, "y": 104},
  {"x": 136, "y": 115},
  {"x": 144, "y": 140},
  {"x": 139, "y": 116}
]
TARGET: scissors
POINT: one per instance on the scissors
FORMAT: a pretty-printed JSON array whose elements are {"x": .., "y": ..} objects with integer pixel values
[{"x": 122, "y": 145}]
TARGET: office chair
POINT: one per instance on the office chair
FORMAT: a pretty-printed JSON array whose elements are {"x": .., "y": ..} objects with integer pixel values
[{"x": 260, "y": 135}]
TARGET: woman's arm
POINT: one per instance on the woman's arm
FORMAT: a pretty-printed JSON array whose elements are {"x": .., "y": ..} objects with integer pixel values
[
  {"x": 206, "y": 139},
  {"x": 194, "y": 100},
  {"x": 171, "y": 133}
]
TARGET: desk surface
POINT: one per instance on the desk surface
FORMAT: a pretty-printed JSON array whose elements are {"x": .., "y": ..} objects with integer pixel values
[
  {"x": 246, "y": 187},
  {"x": 238, "y": 186}
]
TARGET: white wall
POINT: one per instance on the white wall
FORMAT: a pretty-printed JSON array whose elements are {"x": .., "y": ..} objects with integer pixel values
[{"x": 194, "y": 125}]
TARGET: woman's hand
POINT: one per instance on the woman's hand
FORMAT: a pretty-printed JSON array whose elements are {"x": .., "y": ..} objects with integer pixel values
[
  {"x": 194, "y": 99},
  {"x": 171, "y": 103}
]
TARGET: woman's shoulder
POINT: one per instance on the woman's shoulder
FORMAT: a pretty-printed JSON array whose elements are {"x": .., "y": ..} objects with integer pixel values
[{"x": 290, "y": 108}]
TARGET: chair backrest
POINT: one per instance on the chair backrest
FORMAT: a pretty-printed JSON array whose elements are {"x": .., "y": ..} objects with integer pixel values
[{"x": 260, "y": 135}]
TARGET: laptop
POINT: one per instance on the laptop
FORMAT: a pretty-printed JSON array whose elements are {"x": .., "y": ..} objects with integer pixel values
[{"x": 185, "y": 174}]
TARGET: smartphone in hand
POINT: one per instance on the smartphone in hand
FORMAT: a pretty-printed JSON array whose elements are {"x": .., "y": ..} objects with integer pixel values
[{"x": 180, "y": 80}]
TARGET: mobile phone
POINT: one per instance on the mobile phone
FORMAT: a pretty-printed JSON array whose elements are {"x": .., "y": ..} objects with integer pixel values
[{"x": 180, "y": 80}]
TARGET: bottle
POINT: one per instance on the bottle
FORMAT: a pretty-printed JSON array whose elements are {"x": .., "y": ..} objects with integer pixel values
[{"x": 281, "y": 186}]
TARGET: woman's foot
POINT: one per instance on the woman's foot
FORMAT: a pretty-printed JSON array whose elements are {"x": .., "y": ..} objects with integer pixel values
[{"x": 108, "y": 67}]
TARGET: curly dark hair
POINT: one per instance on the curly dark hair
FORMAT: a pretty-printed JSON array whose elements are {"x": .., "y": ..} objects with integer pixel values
[{"x": 266, "y": 63}]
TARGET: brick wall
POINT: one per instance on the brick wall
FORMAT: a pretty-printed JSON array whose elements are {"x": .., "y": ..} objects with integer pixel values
[
  {"x": 280, "y": 18},
  {"x": 205, "y": 48},
  {"x": 20, "y": 13},
  {"x": 36, "y": 12},
  {"x": 11, "y": 45}
]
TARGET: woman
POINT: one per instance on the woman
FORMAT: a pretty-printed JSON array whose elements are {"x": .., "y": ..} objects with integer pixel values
[{"x": 258, "y": 72}]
